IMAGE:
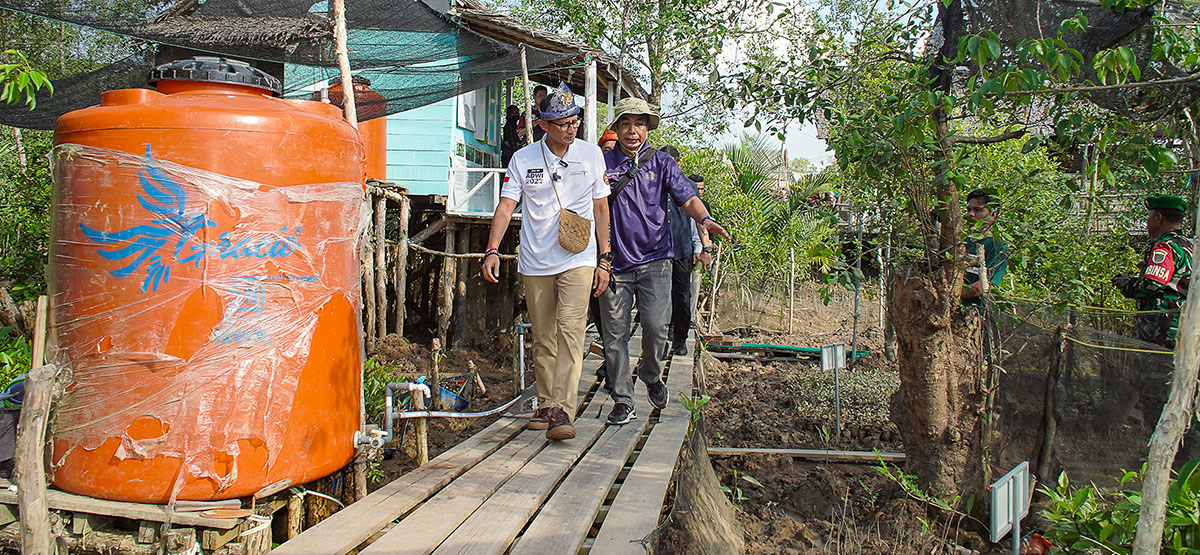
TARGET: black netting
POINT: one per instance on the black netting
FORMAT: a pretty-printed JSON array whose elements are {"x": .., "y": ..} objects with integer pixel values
[
  {"x": 1076, "y": 393},
  {"x": 411, "y": 54},
  {"x": 1017, "y": 20}
]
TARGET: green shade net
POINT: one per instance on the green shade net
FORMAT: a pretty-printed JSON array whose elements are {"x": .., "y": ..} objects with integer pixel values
[{"x": 411, "y": 54}]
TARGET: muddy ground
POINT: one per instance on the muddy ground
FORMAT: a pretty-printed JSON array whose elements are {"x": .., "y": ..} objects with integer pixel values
[
  {"x": 405, "y": 360},
  {"x": 792, "y": 505}
]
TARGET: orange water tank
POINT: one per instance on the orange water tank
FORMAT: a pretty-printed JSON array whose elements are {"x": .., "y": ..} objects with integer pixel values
[
  {"x": 371, "y": 110},
  {"x": 204, "y": 287}
]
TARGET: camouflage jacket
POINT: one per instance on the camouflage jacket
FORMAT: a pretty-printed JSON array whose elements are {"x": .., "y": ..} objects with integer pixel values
[{"x": 1161, "y": 285}]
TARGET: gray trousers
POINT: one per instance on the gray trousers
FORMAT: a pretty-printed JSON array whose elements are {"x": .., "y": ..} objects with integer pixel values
[{"x": 651, "y": 284}]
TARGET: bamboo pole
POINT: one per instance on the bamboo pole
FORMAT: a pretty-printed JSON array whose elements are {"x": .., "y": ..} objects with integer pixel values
[
  {"x": 401, "y": 275},
  {"x": 528, "y": 99},
  {"x": 368, "y": 283},
  {"x": 380, "y": 268},
  {"x": 712, "y": 297},
  {"x": 792, "y": 291},
  {"x": 36, "y": 534}
]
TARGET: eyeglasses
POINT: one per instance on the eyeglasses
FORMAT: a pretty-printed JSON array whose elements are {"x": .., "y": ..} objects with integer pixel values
[{"x": 566, "y": 125}]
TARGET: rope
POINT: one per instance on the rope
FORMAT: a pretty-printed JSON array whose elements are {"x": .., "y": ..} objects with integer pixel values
[
  {"x": 1085, "y": 343},
  {"x": 455, "y": 255},
  {"x": 1099, "y": 309}
]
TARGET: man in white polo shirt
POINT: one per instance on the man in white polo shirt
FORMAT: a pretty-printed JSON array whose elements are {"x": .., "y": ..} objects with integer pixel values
[{"x": 554, "y": 174}]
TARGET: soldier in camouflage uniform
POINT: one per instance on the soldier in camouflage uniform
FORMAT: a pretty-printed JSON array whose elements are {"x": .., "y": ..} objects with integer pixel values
[{"x": 1163, "y": 277}]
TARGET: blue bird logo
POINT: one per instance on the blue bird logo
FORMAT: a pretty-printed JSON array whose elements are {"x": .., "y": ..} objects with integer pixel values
[{"x": 166, "y": 200}]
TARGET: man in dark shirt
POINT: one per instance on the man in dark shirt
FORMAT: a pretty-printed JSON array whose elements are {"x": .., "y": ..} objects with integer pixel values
[{"x": 687, "y": 245}]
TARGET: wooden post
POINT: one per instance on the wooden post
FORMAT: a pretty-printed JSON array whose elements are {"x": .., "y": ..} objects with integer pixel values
[
  {"x": 343, "y": 60},
  {"x": 712, "y": 297},
  {"x": 461, "y": 306},
  {"x": 518, "y": 371},
  {"x": 446, "y": 308},
  {"x": 380, "y": 268},
  {"x": 421, "y": 426},
  {"x": 36, "y": 534},
  {"x": 590, "y": 100},
  {"x": 792, "y": 291},
  {"x": 368, "y": 281},
  {"x": 435, "y": 376},
  {"x": 295, "y": 516},
  {"x": 1049, "y": 411},
  {"x": 401, "y": 277},
  {"x": 528, "y": 99}
]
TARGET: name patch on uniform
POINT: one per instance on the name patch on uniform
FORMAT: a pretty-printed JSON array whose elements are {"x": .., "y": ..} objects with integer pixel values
[
  {"x": 534, "y": 176},
  {"x": 1161, "y": 266}
]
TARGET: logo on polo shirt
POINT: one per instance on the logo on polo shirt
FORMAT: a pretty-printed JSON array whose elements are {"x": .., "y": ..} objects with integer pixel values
[{"x": 535, "y": 176}]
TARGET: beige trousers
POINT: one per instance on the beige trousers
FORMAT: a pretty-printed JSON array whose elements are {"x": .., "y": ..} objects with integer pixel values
[{"x": 558, "y": 306}]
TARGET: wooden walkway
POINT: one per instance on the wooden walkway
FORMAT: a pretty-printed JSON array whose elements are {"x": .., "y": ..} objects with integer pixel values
[{"x": 507, "y": 489}]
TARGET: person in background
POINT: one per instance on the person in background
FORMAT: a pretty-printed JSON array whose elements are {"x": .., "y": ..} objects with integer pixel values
[
  {"x": 608, "y": 140},
  {"x": 687, "y": 244},
  {"x": 980, "y": 210},
  {"x": 643, "y": 182},
  {"x": 539, "y": 94},
  {"x": 704, "y": 257},
  {"x": 552, "y": 175},
  {"x": 510, "y": 141},
  {"x": 1163, "y": 277}
]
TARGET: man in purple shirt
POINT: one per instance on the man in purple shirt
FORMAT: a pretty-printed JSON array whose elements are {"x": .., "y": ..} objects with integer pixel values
[{"x": 642, "y": 250}]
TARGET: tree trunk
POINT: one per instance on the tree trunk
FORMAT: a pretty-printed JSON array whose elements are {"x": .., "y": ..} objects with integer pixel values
[
  {"x": 940, "y": 348},
  {"x": 938, "y": 406}
]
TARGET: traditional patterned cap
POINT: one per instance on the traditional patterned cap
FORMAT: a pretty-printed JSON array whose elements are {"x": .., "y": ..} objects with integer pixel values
[
  {"x": 609, "y": 135},
  {"x": 1166, "y": 202},
  {"x": 637, "y": 107},
  {"x": 558, "y": 104}
]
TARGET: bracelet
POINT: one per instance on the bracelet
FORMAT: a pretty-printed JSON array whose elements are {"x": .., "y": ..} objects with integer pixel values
[
  {"x": 707, "y": 218},
  {"x": 491, "y": 252}
]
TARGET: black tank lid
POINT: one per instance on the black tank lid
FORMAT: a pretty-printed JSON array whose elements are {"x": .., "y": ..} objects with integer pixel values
[{"x": 210, "y": 69}]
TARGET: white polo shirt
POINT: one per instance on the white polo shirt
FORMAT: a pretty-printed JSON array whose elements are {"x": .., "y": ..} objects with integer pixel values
[{"x": 580, "y": 179}]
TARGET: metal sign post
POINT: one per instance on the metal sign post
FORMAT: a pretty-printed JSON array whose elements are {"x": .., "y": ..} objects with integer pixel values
[
  {"x": 833, "y": 357},
  {"x": 1010, "y": 503}
]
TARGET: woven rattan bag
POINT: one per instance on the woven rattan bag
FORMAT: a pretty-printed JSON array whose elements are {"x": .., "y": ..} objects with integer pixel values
[{"x": 574, "y": 231}]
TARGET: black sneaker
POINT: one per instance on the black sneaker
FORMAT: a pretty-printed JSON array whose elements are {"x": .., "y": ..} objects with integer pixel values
[
  {"x": 680, "y": 349},
  {"x": 658, "y": 394},
  {"x": 621, "y": 414}
]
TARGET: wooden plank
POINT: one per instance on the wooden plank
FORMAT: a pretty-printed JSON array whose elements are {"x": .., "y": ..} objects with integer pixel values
[
  {"x": 635, "y": 510},
  {"x": 820, "y": 454},
  {"x": 423, "y": 530},
  {"x": 64, "y": 501},
  {"x": 498, "y": 521},
  {"x": 350, "y": 527},
  {"x": 565, "y": 520}
]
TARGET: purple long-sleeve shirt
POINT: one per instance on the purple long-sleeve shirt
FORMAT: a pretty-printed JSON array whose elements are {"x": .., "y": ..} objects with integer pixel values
[{"x": 640, "y": 232}]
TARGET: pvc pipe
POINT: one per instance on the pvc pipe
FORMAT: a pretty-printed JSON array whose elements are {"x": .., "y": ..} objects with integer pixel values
[
  {"x": 447, "y": 414},
  {"x": 389, "y": 402}
]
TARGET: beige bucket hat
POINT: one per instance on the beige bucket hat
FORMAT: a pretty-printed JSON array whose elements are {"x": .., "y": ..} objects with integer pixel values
[{"x": 637, "y": 107}]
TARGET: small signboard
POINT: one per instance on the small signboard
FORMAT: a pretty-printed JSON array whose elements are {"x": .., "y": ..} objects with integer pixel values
[
  {"x": 833, "y": 356},
  {"x": 1010, "y": 503}
]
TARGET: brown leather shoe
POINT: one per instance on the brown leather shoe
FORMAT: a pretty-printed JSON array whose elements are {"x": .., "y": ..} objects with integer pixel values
[
  {"x": 540, "y": 420},
  {"x": 560, "y": 425}
]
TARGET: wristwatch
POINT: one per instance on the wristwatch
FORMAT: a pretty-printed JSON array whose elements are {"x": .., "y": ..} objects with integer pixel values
[
  {"x": 709, "y": 249},
  {"x": 606, "y": 256}
]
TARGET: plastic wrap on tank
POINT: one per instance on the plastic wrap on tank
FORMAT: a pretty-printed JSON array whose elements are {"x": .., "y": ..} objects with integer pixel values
[{"x": 185, "y": 315}]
